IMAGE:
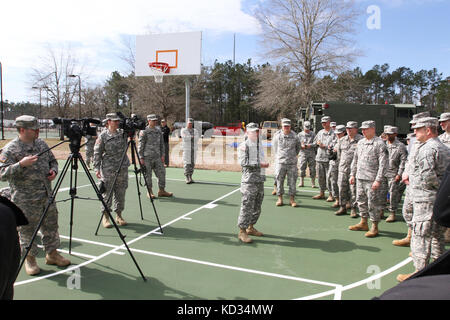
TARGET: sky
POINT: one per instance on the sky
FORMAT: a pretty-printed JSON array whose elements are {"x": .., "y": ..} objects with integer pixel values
[{"x": 410, "y": 33}]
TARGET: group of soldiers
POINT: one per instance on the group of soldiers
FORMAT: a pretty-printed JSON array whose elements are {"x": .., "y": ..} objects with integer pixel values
[{"x": 365, "y": 173}]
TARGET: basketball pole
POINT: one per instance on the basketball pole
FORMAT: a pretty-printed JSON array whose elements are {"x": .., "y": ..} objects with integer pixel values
[{"x": 188, "y": 96}]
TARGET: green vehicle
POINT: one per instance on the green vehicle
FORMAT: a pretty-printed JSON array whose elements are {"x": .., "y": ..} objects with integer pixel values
[{"x": 340, "y": 112}]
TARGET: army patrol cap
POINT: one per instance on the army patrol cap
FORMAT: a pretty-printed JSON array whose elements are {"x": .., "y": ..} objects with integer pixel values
[
  {"x": 391, "y": 130},
  {"x": 340, "y": 128},
  {"x": 307, "y": 125},
  {"x": 367, "y": 124},
  {"x": 333, "y": 124},
  {"x": 426, "y": 122},
  {"x": 152, "y": 117},
  {"x": 190, "y": 120},
  {"x": 444, "y": 117},
  {"x": 325, "y": 119},
  {"x": 252, "y": 127},
  {"x": 112, "y": 117},
  {"x": 352, "y": 124},
  {"x": 418, "y": 116},
  {"x": 285, "y": 122},
  {"x": 27, "y": 122}
]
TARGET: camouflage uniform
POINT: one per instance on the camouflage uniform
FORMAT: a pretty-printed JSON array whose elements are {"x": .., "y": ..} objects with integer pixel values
[
  {"x": 407, "y": 209},
  {"x": 430, "y": 163},
  {"x": 286, "y": 149},
  {"x": 345, "y": 151},
  {"x": 332, "y": 173},
  {"x": 90, "y": 143},
  {"x": 322, "y": 160},
  {"x": 108, "y": 152},
  {"x": 151, "y": 149},
  {"x": 190, "y": 139},
  {"x": 397, "y": 161},
  {"x": 369, "y": 164},
  {"x": 445, "y": 139},
  {"x": 252, "y": 182},
  {"x": 30, "y": 190},
  {"x": 307, "y": 156}
]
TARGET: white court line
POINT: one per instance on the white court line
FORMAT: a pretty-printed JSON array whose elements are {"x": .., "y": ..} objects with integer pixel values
[
  {"x": 74, "y": 267},
  {"x": 93, "y": 242},
  {"x": 83, "y": 255}
]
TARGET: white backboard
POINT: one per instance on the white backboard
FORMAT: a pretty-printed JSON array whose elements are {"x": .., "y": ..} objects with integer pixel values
[{"x": 182, "y": 51}]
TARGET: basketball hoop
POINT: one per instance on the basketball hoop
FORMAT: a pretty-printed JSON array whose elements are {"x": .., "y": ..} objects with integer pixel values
[{"x": 159, "y": 69}]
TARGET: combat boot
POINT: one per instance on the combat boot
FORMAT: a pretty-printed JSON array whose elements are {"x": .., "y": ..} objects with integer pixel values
[
  {"x": 348, "y": 205},
  {"x": 187, "y": 180},
  {"x": 105, "y": 221},
  {"x": 353, "y": 213},
  {"x": 190, "y": 178},
  {"x": 253, "y": 232},
  {"x": 55, "y": 258},
  {"x": 336, "y": 204},
  {"x": 119, "y": 220},
  {"x": 243, "y": 236},
  {"x": 313, "y": 183},
  {"x": 301, "y": 184},
  {"x": 292, "y": 202},
  {"x": 321, "y": 195},
  {"x": 391, "y": 217},
  {"x": 163, "y": 193},
  {"x": 330, "y": 198},
  {"x": 274, "y": 192},
  {"x": 151, "y": 195},
  {"x": 31, "y": 267},
  {"x": 382, "y": 215},
  {"x": 405, "y": 242},
  {"x": 447, "y": 235},
  {"x": 342, "y": 210},
  {"x": 403, "y": 277},
  {"x": 373, "y": 231},
  {"x": 361, "y": 226},
  {"x": 280, "y": 201}
]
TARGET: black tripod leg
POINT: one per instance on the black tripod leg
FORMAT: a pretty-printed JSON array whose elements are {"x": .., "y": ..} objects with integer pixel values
[
  {"x": 144, "y": 173},
  {"x": 73, "y": 193},
  {"x": 136, "y": 171},
  {"x": 108, "y": 212}
]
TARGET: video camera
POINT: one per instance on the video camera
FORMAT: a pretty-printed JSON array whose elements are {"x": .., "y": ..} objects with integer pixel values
[
  {"x": 74, "y": 129},
  {"x": 130, "y": 125}
]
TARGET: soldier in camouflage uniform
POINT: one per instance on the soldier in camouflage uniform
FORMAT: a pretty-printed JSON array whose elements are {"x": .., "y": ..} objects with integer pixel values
[
  {"x": 332, "y": 173},
  {"x": 275, "y": 170},
  {"x": 90, "y": 143},
  {"x": 286, "y": 146},
  {"x": 407, "y": 177},
  {"x": 251, "y": 159},
  {"x": 431, "y": 160},
  {"x": 108, "y": 151},
  {"x": 307, "y": 154},
  {"x": 397, "y": 162},
  {"x": 368, "y": 168},
  {"x": 346, "y": 148},
  {"x": 323, "y": 140},
  {"x": 29, "y": 178},
  {"x": 190, "y": 137},
  {"x": 444, "y": 122},
  {"x": 151, "y": 153}
]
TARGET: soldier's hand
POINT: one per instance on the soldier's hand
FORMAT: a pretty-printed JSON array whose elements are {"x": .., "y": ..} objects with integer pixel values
[
  {"x": 264, "y": 165},
  {"x": 352, "y": 180},
  {"x": 51, "y": 175},
  {"x": 142, "y": 161},
  {"x": 28, "y": 161},
  {"x": 397, "y": 178},
  {"x": 375, "y": 185},
  {"x": 162, "y": 159},
  {"x": 98, "y": 174},
  {"x": 405, "y": 179}
]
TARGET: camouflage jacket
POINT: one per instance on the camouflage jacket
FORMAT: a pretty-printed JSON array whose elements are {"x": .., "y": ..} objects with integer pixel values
[
  {"x": 326, "y": 138},
  {"x": 345, "y": 151},
  {"x": 286, "y": 147},
  {"x": 397, "y": 158},
  {"x": 430, "y": 162},
  {"x": 370, "y": 160},
  {"x": 250, "y": 160},
  {"x": 28, "y": 183},
  {"x": 108, "y": 152},
  {"x": 445, "y": 139},
  {"x": 151, "y": 143},
  {"x": 307, "y": 139}
]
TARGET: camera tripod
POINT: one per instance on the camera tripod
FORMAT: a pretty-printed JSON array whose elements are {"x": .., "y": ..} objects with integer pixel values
[
  {"x": 134, "y": 154},
  {"x": 72, "y": 163}
]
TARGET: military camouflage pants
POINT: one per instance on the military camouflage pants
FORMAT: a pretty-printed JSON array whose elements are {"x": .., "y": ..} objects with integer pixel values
[
  {"x": 89, "y": 153},
  {"x": 118, "y": 193},
  {"x": 289, "y": 170},
  {"x": 251, "y": 201},
  {"x": 369, "y": 203},
  {"x": 160, "y": 172},
  {"x": 332, "y": 179},
  {"x": 383, "y": 190},
  {"x": 322, "y": 169},
  {"x": 347, "y": 191},
  {"x": 33, "y": 210},
  {"x": 408, "y": 209},
  {"x": 396, "y": 190},
  {"x": 307, "y": 159},
  {"x": 427, "y": 239}
]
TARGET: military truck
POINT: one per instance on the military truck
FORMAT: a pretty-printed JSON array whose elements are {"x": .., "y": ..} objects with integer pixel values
[{"x": 340, "y": 112}]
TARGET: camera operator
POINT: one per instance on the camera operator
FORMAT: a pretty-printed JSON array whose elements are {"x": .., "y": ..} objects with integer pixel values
[
  {"x": 90, "y": 143},
  {"x": 151, "y": 154},
  {"x": 109, "y": 147},
  {"x": 30, "y": 177}
]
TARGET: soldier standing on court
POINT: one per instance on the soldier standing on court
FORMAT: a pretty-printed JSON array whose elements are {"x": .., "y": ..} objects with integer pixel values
[
  {"x": 444, "y": 122},
  {"x": 189, "y": 137},
  {"x": 29, "y": 178},
  {"x": 151, "y": 154},
  {"x": 286, "y": 146},
  {"x": 397, "y": 162},
  {"x": 166, "y": 133},
  {"x": 307, "y": 154},
  {"x": 251, "y": 159},
  {"x": 430, "y": 163},
  {"x": 323, "y": 140},
  {"x": 368, "y": 170},
  {"x": 346, "y": 148},
  {"x": 108, "y": 151},
  {"x": 332, "y": 173},
  {"x": 90, "y": 143}
]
